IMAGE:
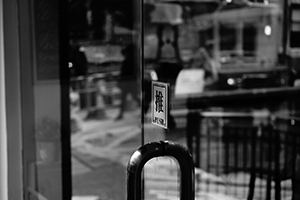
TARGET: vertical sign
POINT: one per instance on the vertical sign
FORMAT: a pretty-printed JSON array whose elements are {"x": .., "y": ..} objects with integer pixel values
[{"x": 160, "y": 104}]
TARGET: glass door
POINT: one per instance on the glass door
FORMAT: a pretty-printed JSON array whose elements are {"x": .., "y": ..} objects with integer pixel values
[
  {"x": 222, "y": 61},
  {"x": 105, "y": 94},
  {"x": 127, "y": 72}
]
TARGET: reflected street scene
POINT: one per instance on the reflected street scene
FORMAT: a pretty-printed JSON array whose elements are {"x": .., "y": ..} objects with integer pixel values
[
  {"x": 232, "y": 68},
  {"x": 105, "y": 95}
]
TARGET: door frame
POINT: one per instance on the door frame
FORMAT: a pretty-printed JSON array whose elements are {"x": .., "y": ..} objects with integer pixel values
[
  {"x": 10, "y": 103},
  {"x": 3, "y": 137}
]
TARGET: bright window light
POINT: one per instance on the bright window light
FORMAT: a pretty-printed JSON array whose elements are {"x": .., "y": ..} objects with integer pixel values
[{"x": 268, "y": 30}]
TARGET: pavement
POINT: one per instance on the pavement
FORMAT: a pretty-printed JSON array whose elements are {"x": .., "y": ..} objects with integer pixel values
[
  {"x": 100, "y": 152},
  {"x": 101, "y": 149}
]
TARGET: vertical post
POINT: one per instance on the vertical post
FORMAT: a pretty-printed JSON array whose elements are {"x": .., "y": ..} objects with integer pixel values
[
  {"x": 3, "y": 128},
  {"x": 253, "y": 165},
  {"x": 159, "y": 33},
  {"x": 175, "y": 43},
  {"x": 199, "y": 119},
  {"x": 277, "y": 166},
  {"x": 296, "y": 179},
  {"x": 270, "y": 140},
  {"x": 193, "y": 128}
]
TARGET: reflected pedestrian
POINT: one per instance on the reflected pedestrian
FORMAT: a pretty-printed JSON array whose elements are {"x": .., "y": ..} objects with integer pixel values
[
  {"x": 78, "y": 60},
  {"x": 202, "y": 60},
  {"x": 128, "y": 81}
]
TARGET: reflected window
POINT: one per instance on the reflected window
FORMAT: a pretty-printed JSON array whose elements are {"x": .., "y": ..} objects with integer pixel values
[
  {"x": 295, "y": 26},
  {"x": 249, "y": 39},
  {"x": 233, "y": 39},
  {"x": 228, "y": 37}
]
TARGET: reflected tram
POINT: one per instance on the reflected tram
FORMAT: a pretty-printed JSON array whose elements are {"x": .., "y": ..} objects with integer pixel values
[{"x": 254, "y": 44}]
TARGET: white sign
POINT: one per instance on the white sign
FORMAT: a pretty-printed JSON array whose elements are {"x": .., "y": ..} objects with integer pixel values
[
  {"x": 190, "y": 81},
  {"x": 160, "y": 104}
]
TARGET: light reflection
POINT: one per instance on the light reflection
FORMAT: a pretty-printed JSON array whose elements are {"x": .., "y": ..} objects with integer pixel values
[
  {"x": 135, "y": 156},
  {"x": 230, "y": 81},
  {"x": 268, "y": 30},
  {"x": 162, "y": 178}
]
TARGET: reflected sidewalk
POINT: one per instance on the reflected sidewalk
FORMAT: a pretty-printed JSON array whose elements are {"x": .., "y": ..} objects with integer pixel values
[{"x": 101, "y": 151}]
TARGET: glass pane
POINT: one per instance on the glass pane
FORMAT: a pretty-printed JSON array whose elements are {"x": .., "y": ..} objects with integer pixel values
[
  {"x": 224, "y": 61},
  {"x": 162, "y": 180},
  {"x": 105, "y": 95},
  {"x": 41, "y": 100}
]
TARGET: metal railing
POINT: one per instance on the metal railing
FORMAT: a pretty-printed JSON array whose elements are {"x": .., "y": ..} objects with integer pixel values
[
  {"x": 250, "y": 156},
  {"x": 254, "y": 155}
]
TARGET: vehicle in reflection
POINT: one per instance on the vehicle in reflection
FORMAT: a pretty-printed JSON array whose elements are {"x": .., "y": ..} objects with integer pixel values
[
  {"x": 246, "y": 47},
  {"x": 249, "y": 43},
  {"x": 253, "y": 45}
]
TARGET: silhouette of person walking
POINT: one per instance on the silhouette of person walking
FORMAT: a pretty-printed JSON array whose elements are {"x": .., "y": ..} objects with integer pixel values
[
  {"x": 202, "y": 60},
  {"x": 128, "y": 82},
  {"x": 79, "y": 60}
]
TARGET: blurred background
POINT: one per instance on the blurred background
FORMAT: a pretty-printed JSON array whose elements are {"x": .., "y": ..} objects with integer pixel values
[
  {"x": 233, "y": 71},
  {"x": 85, "y": 83}
]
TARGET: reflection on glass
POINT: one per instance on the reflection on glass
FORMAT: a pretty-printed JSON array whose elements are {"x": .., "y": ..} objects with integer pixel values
[
  {"x": 42, "y": 104},
  {"x": 45, "y": 173},
  {"x": 212, "y": 53},
  {"x": 105, "y": 95},
  {"x": 162, "y": 179}
]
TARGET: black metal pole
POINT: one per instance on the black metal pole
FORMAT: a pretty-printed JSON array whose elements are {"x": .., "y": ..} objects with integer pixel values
[
  {"x": 157, "y": 149},
  {"x": 253, "y": 165},
  {"x": 193, "y": 132}
]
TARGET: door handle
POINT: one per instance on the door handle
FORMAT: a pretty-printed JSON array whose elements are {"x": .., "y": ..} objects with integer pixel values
[{"x": 157, "y": 149}]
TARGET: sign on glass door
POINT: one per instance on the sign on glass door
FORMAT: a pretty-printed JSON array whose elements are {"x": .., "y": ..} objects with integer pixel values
[{"x": 160, "y": 104}]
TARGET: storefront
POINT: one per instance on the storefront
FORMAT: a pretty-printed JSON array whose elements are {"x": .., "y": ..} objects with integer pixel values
[{"x": 71, "y": 114}]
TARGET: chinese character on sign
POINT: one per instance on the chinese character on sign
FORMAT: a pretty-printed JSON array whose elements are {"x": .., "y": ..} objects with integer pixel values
[
  {"x": 160, "y": 108},
  {"x": 159, "y": 99}
]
